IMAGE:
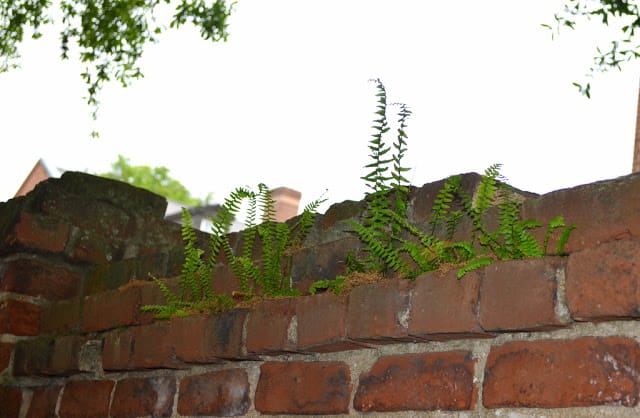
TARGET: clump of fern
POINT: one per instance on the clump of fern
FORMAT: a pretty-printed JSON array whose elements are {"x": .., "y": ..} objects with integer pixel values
[
  {"x": 512, "y": 240},
  {"x": 195, "y": 293},
  {"x": 383, "y": 218},
  {"x": 392, "y": 243},
  {"x": 270, "y": 276}
]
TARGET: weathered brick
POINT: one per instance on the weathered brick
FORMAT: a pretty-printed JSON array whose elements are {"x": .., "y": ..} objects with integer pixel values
[
  {"x": 604, "y": 282},
  {"x": 379, "y": 312},
  {"x": 321, "y": 261},
  {"x": 322, "y": 323},
  {"x": 224, "y": 281},
  {"x": 334, "y": 218},
  {"x": 86, "y": 399},
  {"x": 65, "y": 356},
  {"x": 207, "y": 338},
  {"x": 307, "y": 388},
  {"x": 563, "y": 373},
  {"x": 34, "y": 277},
  {"x": 420, "y": 382},
  {"x": 117, "y": 350},
  {"x": 136, "y": 397},
  {"x": 10, "y": 400},
  {"x": 19, "y": 317},
  {"x": 44, "y": 401},
  {"x": 110, "y": 276},
  {"x": 520, "y": 294},
  {"x": 269, "y": 329},
  {"x": 152, "y": 346},
  {"x": 32, "y": 357},
  {"x": 38, "y": 232},
  {"x": 5, "y": 355},
  {"x": 110, "y": 309},
  {"x": 88, "y": 246},
  {"x": 443, "y": 307},
  {"x": 62, "y": 316},
  {"x": 602, "y": 211},
  {"x": 221, "y": 393}
]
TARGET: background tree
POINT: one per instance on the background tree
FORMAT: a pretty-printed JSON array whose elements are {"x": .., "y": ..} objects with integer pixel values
[
  {"x": 110, "y": 35},
  {"x": 154, "y": 179},
  {"x": 621, "y": 14}
]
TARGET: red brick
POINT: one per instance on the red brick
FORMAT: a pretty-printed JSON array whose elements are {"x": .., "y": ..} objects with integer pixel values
[
  {"x": 420, "y": 382},
  {"x": 117, "y": 350},
  {"x": 268, "y": 328},
  {"x": 443, "y": 307},
  {"x": 44, "y": 401},
  {"x": 34, "y": 277},
  {"x": 604, "y": 282},
  {"x": 10, "y": 400},
  {"x": 308, "y": 388},
  {"x": 19, "y": 318},
  {"x": 207, "y": 338},
  {"x": 563, "y": 373},
  {"x": 379, "y": 312},
  {"x": 322, "y": 323},
  {"x": 61, "y": 317},
  {"x": 40, "y": 233},
  {"x": 602, "y": 211},
  {"x": 143, "y": 397},
  {"x": 86, "y": 399},
  {"x": 520, "y": 294},
  {"x": 224, "y": 281},
  {"x": 32, "y": 356},
  {"x": 65, "y": 358},
  {"x": 111, "y": 309},
  {"x": 5, "y": 355},
  {"x": 152, "y": 347},
  {"x": 221, "y": 393}
]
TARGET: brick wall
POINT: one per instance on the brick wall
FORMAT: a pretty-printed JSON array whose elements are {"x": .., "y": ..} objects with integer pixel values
[{"x": 553, "y": 337}]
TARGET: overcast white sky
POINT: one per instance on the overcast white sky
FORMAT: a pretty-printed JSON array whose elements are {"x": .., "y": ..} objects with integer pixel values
[{"x": 287, "y": 101}]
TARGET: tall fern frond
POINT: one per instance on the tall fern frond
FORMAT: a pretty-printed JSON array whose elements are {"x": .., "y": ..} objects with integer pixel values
[
  {"x": 442, "y": 202},
  {"x": 399, "y": 181}
]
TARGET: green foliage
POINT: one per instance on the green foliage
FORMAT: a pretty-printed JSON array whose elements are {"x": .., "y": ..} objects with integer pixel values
[
  {"x": 392, "y": 243},
  {"x": 383, "y": 221},
  {"x": 154, "y": 179},
  {"x": 270, "y": 276},
  {"x": 109, "y": 34},
  {"x": 195, "y": 287},
  {"x": 336, "y": 285},
  {"x": 626, "y": 16},
  {"x": 513, "y": 239}
]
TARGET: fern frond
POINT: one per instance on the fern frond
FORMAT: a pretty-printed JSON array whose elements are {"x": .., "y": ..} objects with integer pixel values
[
  {"x": 564, "y": 237},
  {"x": 487, "y": 189},
  {"x": 305, "y": 221},
  {"x": 555, "y": 223},
  {"x": 474, "y": 265},
  {"x": 442, "y": 202}
]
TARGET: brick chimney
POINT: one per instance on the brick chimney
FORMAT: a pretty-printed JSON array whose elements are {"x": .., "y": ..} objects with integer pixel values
[{"x": 287, "y": 202}]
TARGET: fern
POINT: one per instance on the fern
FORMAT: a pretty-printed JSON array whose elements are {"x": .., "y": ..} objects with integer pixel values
[
  {"x": 336, "y": 285},
  {"x": 474, "y": 264},
  {"x": 442, "y": 203},
  {"x": 389, "y": 237}
]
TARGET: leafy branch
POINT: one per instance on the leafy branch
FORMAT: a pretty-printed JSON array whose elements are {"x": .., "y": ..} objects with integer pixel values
[{"x": 621, "y": 50}]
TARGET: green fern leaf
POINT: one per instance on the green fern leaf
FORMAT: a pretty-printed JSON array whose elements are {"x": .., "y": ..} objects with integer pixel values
[{"x": 474, "y": 265}]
